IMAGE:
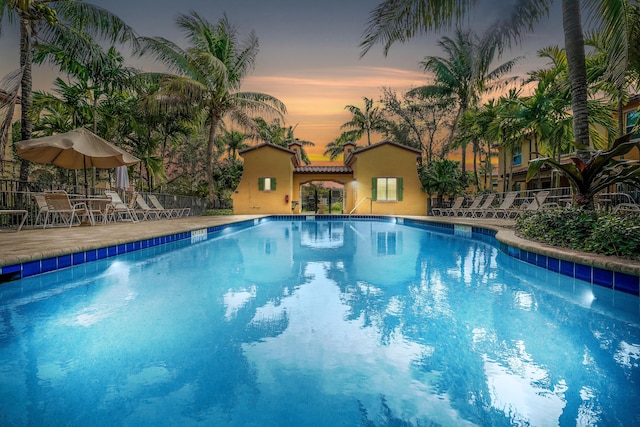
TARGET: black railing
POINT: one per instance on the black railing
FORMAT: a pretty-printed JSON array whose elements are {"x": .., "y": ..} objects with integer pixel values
[{"x": 16, "y": 195}]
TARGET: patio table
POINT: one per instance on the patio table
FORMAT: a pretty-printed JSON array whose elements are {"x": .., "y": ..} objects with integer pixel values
[{"x": 94, "y": 204}]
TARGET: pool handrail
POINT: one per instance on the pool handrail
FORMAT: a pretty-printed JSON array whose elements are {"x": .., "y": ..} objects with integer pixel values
[{"x": 358, "y": 204}]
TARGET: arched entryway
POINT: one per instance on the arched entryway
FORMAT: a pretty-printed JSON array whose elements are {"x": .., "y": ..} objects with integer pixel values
[{"x": 322, "y": 197}]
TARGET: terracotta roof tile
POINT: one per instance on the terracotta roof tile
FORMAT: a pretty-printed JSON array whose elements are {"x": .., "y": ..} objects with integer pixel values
[{"x": 323, "y": 169}]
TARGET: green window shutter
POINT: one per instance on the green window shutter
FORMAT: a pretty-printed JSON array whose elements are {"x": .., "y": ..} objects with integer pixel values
[
  {"x": 261, "y": 184},
  {"x": 273, "y": 184},
  {"x": 374, "y": 189},
  {"x": 399, "y": 189}
]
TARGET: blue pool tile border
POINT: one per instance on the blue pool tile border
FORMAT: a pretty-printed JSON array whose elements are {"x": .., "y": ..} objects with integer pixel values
[
  {"x": 610, "y": 279},
  {"x": 32, "y": 268}
]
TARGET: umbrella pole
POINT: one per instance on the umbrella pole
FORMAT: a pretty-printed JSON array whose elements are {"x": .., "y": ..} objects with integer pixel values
[{"x": 86, "y": 184}]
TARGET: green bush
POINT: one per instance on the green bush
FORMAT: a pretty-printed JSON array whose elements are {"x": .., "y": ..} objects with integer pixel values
[
  {"x": 214, "y": 212},
  {"x": 584, "y": 230}
]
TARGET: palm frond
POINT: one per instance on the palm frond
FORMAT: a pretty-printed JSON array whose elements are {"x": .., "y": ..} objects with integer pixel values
[{"x": 399, "y": 20}]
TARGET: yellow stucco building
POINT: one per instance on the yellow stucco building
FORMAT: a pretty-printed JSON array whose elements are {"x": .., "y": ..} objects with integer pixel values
[{"x": 379, "y": 179}]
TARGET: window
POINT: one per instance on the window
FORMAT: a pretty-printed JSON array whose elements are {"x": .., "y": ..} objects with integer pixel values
[
  {"x": 631, "y": 120},
  {"x": 516, "y": 153},
  {"x": 266, "y": 184},
  {"x": 386, "y": 189}
]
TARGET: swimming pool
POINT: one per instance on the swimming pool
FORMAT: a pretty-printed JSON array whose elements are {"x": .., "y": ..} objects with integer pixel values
[{"x": 317, "y": 323}]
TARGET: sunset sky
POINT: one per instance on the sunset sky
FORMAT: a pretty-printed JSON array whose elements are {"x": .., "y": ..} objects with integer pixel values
[{"x": 309, "y": 52}]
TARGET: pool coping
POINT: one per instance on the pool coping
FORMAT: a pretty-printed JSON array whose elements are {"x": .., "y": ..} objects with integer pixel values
[{"x": 49, "y": 250}]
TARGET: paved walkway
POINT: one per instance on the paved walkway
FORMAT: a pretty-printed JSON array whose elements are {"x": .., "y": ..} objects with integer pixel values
[
  {"x": 33, "y": 244},
  {"x": 37, "y": 243}
]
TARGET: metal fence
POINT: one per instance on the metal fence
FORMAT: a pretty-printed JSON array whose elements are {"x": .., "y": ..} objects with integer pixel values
[
  {"x": 16, "y": 195},
  {"x": 562, "y": 196}
]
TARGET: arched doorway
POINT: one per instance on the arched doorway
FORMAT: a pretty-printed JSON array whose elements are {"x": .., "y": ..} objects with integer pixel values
[{"x": 322, "y": 197}]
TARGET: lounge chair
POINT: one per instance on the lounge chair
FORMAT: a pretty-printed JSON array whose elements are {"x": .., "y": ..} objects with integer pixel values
[
  {"x": 59, "y": 204},
  {"x": 505, "y": 208},
  {"x": 117, "y": 210},
  {"x": 537, "y": 203},
  {"x": 147, "y": 211},
  {"x": 482, "y": 211},
  {"x": 457, "y": 204},
  {"x": 475, "y": 204},
  {"x": 173, "y": 212}
]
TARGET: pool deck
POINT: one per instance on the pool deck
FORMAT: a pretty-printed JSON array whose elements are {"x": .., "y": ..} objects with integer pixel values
[{"x": 35, "y": 244}]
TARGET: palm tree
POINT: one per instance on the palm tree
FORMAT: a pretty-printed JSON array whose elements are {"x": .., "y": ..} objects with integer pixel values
[
  {"x": 9, "y": 87},
  {"x": 336, "y": 147},
  {"x": 476, "y": 126},
  {"x": 72, "y": 98},
  {"x": 465, "y": 74},
  {"x": 104, "y": 74},
  {"x": 365, "y": 122},
  {"x": 599, "y": 69},
  {"x": 209, "y": 74},
  {"x": 68, "y": 24},
  {"x": 277, "y": 134},
  {"x": 234, "y": 141},
  {"x": 441, "y": 177},
  {"x": 399, "y": 20},
  {"x": 505, "y": 130}
]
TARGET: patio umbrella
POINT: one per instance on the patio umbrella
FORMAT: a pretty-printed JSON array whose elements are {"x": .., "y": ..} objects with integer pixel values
[{"x": 76, "y": 149}]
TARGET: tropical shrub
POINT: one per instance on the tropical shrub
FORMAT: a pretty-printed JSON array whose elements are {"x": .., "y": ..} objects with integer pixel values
[
  {"x": 441, "y": 177},
  {"x": 584, "y": 230},
  {"x": 603, "y": 169}
]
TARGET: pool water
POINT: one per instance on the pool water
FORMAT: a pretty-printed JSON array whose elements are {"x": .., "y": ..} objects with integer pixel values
[{"x": 317, "y": 323}]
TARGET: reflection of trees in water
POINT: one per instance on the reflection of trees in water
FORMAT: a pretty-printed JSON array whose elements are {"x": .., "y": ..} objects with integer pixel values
[
  {"x": 422, "y": 311},
  {"x": 215, "y": 380},
  {"x": 385, "y": 417},
  {"x": 536, "y": 331}
]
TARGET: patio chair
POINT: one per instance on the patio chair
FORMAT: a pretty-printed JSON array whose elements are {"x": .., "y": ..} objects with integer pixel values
[
  {"x": 42, "y": 208},
  {"x": 457, "y": 204},
  {"x": 475, "y": 204},
  {"x": 58, "y": 203},
  {"x": 627, "y": 208},
  {"x": 505, "y": 207},
  {"x": 117, "y": 210},
  {"x": 616, "y": 202},
  {"x": 173, "y": 212},
  {"x": 147, "y": 211},
  {"x": 482, "y": 211}
]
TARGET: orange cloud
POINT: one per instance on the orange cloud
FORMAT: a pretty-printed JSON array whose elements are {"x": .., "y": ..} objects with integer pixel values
[{"x": 316, "y": 100}]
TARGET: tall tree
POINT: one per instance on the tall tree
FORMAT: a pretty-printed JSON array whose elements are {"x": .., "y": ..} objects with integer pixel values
[
  {"x": 234, "y": 141},
  {"x": 421, "y": 114},
  {"x": 9, "y": 88},
  {"x": 276, "y": 133},
  {"x": 465, "y": 74},
  {"x": 366, "y": 121},
  {"x": 72, "y": 98},
  {"x": 68, "y": 24},
  {"x": 209, "y": 74},
  {"x": 335, "y": 148},
  {"x": 399, "y": 20}
]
